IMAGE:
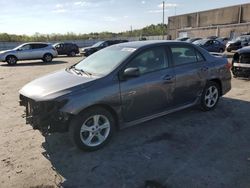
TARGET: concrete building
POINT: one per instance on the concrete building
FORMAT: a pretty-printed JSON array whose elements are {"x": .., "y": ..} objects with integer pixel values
[{"x": 223, "y": 22}]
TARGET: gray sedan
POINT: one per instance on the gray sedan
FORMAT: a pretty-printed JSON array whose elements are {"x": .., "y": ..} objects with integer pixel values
[{"x": 124, "y": 85}]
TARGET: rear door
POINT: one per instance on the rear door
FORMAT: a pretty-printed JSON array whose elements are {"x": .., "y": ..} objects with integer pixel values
[
  {"x": 151, "y": 92},
  {"x": 38, "y": 50},
  {"x": 190, "y": 71},
  {"x": 67, "y": 48}
]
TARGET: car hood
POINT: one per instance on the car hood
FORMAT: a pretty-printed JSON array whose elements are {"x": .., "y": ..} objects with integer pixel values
[
  {"x": 233, "y": 41},
  {"x": 88, "y": 48},
  {"x": 55, "y": 85},
  {"x": 244, "y": 50},
  {"x": 6, "y": 51}
]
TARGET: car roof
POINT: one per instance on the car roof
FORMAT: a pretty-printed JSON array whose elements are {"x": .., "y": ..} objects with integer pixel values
[
  {"x": 140, "y": 44},
  {"x": 244, "y": 50},
  {"x": 36, "y": 43},
  {"x": 136, "y": 45},
  {"x": 64, "y": 43}
]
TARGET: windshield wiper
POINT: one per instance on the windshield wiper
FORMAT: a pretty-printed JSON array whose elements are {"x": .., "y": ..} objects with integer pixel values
[
  {"x": 85, "y": 72},
  {"x": 80, "y": 71},
  {"x": 75, "y": 70}
]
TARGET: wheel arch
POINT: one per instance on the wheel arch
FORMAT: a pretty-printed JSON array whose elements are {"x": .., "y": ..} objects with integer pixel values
[
  {"x": 217, "y": 81},
  {"x": 106, "y": 107},
  {"x": 9, "y": 56},
  {"x": 48, "y": 54}
]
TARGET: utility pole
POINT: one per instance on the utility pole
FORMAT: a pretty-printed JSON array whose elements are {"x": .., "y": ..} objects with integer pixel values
[
  {"x": 163, "y": 19},
  {"x": 131, "y": 31}
]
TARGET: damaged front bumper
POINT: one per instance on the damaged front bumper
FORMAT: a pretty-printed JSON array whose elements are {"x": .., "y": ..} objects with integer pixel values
[
  {"x": 45, "y": 116},
  {"x": 241, "y": 71}
]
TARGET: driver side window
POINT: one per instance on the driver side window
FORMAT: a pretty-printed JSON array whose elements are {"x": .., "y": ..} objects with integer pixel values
[
  {"x": 150, "y": 60},
  {"x": 25, "y": 47}
]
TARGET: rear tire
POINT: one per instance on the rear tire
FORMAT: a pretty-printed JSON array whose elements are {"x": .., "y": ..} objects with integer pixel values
[
  {"x": 221, "y": 50},
  {"x": 72, "y": 54},
  {"x": 47, "y": 58},
  {"x": 11, "y": 60},
  {"x": 92, "y": 129},
  {"x": 210, "y": 96}
]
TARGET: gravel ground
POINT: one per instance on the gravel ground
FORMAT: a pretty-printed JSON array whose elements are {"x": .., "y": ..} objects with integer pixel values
[{"x": 189, "y": 148}]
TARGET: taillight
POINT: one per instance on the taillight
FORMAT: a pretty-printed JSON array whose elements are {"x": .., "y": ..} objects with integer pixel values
[{"x": 228, "y": 65}]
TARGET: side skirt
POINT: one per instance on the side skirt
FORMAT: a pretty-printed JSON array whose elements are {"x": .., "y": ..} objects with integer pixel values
[{"x": 131, "y": 123}]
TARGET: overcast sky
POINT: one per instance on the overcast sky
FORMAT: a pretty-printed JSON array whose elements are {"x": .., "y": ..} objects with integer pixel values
[{"x": 85, "y": 16}]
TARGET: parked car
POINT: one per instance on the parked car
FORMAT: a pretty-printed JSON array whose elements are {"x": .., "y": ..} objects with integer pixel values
[
  {"x": 69, "y": 49},
  {"x": 238, "y": 43},
  {"x": 241, "y": 62},
  {"x": 29, "y": 51},
  {"x": 191, "y": 40},
  {"x": 210, "y": 45},
  {"x": 182, "y": 39},
  {"x": 142, "y": 38},
  {"x": 124, "y": 85},
  {"x": 100, "y": 45}
]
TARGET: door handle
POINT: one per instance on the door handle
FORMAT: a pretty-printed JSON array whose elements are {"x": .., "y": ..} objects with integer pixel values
[
  {"x": 168, "y": 78},
  {"x": 204, "y": 69}
]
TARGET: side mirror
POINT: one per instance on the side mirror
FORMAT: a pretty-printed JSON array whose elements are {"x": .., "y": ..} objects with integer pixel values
[
  {"x": 19, "y": 49},
  {"x": 130, "y": 73}
]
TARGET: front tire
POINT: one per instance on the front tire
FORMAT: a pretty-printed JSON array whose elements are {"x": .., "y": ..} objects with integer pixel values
[
  {"x": 47, "y": 58},
  {"x": 92, "y": 129},
  {"x": 11, "y": 60},
  {"x": 210, "y": 96}
]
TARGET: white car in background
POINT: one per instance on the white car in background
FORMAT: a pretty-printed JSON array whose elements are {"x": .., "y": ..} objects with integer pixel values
[{"x": 29, "y": 51}]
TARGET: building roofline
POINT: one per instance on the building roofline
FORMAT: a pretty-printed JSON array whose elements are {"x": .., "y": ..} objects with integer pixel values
[{"x": 238, "y": 5}]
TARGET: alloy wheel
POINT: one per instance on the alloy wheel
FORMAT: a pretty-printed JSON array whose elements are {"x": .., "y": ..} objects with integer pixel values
[
  {"x": 95, "y": 130},
  {"x": 48, "y": 58},
  {"x": 211, "y": 96}
]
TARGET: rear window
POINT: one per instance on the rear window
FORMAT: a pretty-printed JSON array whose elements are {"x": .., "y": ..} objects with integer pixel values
[{"x": 183, "y": 55}]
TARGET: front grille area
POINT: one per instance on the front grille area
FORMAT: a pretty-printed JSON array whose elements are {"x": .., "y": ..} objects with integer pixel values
[
  {"x": 44, "y": 116},
  {"x": 245, "y": 58}
]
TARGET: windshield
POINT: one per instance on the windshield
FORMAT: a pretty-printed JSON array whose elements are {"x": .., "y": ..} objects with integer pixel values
[
  {"x": 241, "y": 38},
  {"x": 55, "y": 44},
  {"x": 200, "y": 42},
  {"x": 97, "y": 44},
  {"x": 104, "y": 61},
  {"x": 18, "y": 46},
  {"x": 238, "y": 39}
]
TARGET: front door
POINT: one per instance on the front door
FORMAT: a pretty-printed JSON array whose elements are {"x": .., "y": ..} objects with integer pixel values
[
  {"x": 151, "y": 92},
  {"x": 60, "y": 49},
  {"x": 24, "y": 52}
]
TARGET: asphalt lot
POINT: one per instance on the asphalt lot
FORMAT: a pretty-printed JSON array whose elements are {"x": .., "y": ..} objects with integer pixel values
[{"x": 189, "y": 148}]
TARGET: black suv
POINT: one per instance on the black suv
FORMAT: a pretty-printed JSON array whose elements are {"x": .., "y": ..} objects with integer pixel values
[
  {"x": 69, "y": 49},
  {"x": 100, "y": 45}
]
